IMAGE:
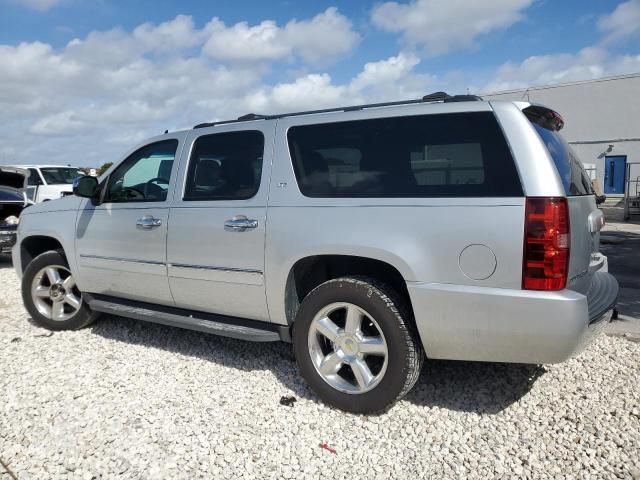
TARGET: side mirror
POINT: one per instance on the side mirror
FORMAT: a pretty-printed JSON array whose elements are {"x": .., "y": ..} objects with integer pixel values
[{"x": 85, "y": 186}]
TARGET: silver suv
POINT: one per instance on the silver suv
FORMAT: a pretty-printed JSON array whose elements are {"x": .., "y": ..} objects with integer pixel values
[{"x": 367, "y": 236}]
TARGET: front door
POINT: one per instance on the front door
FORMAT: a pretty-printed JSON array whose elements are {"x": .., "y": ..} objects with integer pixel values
[
  {"x": 614, "y": 172},
  {"x": 121, "y": 243},
  {"x": 215, "y": 245}
]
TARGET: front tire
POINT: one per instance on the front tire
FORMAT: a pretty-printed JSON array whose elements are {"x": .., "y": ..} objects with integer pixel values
[
  {"x": 356, "y": 345},
  {"x": 51, "y": 296}
]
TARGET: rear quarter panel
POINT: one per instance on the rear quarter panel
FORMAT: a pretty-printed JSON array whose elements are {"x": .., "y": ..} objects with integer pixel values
[{"x": 422, "y": 238}]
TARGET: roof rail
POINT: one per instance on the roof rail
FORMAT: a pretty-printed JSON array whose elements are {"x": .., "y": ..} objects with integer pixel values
[
  {"x": 463, "y": 98},
  {"x": 436, "y": 97},
  {"x": 431, "y": 98},
  {"x": 251, "y": 116}
]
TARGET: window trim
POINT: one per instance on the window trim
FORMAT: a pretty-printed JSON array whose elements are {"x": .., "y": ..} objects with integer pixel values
[
  {"x": 187, "y": 169},
  {"x": 104, "y": 187}
]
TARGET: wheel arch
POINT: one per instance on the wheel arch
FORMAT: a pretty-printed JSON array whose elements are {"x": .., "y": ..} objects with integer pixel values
[
  {"x": 310, "y": 271},
  {"x": 34, "y": 245}
]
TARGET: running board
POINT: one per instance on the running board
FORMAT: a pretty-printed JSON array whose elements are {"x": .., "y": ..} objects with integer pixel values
[{"x": 233, "y": 327}]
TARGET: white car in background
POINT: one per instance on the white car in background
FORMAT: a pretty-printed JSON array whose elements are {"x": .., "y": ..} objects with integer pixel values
[{"x": 49, "y": 182}]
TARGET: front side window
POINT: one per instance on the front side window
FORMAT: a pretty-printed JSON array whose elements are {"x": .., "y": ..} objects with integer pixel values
[
  {"x": 440, "y": 155},
  {"x": 60, "y": 175},
  {"x": 225, "y": 166},
  {"x": 144, "y": 176}
]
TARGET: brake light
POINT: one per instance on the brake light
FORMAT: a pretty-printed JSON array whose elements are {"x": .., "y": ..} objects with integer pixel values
[{"x": 546, "y": 243}]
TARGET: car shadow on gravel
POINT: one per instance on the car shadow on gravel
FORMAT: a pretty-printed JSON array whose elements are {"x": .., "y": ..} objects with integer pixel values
[
  {"x": 485, "y": 388},
  {"x": 479, "y": 387}
]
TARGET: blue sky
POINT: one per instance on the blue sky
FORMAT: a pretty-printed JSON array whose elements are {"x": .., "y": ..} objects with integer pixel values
[{"x": 82, "y": 81}]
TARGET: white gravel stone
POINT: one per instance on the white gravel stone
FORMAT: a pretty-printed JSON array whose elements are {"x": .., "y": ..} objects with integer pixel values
[{"x": 133, "y": 400}]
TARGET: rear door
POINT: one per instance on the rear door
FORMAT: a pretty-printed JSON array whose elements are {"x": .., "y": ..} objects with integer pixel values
[
  {"x": 585, "y": 218},
  {"x": 216, "y": 237}
]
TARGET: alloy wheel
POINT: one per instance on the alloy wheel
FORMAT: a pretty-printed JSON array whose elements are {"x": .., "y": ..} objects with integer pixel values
[
  {"x": 55, "y": 294},
  {"x": 347, "y": 348}
]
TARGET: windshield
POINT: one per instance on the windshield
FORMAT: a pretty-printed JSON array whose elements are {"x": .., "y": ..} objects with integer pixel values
[{"x": 60, "y": 175}]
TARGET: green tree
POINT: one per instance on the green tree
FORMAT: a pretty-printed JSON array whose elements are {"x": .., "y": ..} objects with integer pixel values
[{"x": 104, "y": 168}]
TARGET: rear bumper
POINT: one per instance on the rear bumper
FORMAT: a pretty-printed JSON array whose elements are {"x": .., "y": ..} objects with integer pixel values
[{"x": 460, "y": 322}]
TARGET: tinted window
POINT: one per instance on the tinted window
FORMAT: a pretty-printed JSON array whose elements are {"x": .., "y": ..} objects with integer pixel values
[
  {"x": 144, "y": 176},
  {"x": 225, "y": 166},
  {"x": 447, "y": 155},
  {"x": 574, "y": 178}
]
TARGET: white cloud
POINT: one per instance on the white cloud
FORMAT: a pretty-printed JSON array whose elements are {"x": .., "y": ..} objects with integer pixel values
[
  {"x": 38, "y": 5},
  {"x": 63, "y": 123},
  {"x": 176, "y": 34},
  {"x": 243, "y": 43},
  {"x": 305, "y": 93},
  {"x": 589, "y": 63},
  {"x": 385, "y": 72},
  {"x": 623, "y": 22},
  {"x": 325, "y": 37},
  {"x": 319, "y": 40},
  {"x": 592, "y": 62},
  {"x": 440, "y": 26},
  {"x": 87, "y": 102},
  {"x": 386, "y": 80}
]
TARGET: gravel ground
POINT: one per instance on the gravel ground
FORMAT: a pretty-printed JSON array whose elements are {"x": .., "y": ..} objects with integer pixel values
[{"x": 136, "y": 400}]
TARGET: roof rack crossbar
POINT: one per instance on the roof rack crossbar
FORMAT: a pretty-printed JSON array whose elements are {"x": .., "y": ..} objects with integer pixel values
[{"x": 431, "y": 98}]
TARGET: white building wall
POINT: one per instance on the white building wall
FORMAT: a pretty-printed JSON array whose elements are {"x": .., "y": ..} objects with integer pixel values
[{"x": 597, "y": 113}]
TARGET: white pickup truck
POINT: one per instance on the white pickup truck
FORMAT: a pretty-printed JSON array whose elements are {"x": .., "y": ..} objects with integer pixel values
[{"x": 50, "y": 182}]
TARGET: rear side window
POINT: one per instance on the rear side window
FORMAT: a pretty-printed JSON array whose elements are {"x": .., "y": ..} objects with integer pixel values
[
  {"x": 574, "y": 177},
  {"x": 225, "y": 166},
  {"x": 444, "y": 155}
]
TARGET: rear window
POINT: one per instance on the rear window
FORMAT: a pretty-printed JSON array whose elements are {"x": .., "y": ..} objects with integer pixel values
[
  {"x": 574, "y": 177},
  {"x": 444, "y": 155},
  {"x": 225, "y": 166}
]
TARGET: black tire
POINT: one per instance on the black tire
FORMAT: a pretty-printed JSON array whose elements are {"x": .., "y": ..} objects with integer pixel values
[
  {"x": 405, "y": 354},
  {"x": 83, "y": 317}
]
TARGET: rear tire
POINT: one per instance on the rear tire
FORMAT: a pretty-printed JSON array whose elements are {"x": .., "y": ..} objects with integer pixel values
[
  {"x": 356, "y": 344},
  {"x": 51, "y": 296}
]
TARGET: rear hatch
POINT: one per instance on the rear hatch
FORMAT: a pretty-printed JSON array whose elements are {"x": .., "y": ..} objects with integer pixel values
[
  {"x": 585, "y": 218},
  {"x": 13, "y": 177}
]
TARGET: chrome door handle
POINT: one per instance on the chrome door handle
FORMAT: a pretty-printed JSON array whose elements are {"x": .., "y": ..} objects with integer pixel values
[
  {"x": 240, "y": 223},
  {"x": 147, "y": 222}
]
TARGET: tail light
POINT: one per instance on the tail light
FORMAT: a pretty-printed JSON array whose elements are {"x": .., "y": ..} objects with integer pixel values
[{"x": 546, "y": 244}]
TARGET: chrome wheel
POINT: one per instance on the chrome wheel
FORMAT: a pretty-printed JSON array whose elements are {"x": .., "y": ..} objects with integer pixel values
[
  {"x": 348, "y": 348},
  {"x": 55, "y": 294}
]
